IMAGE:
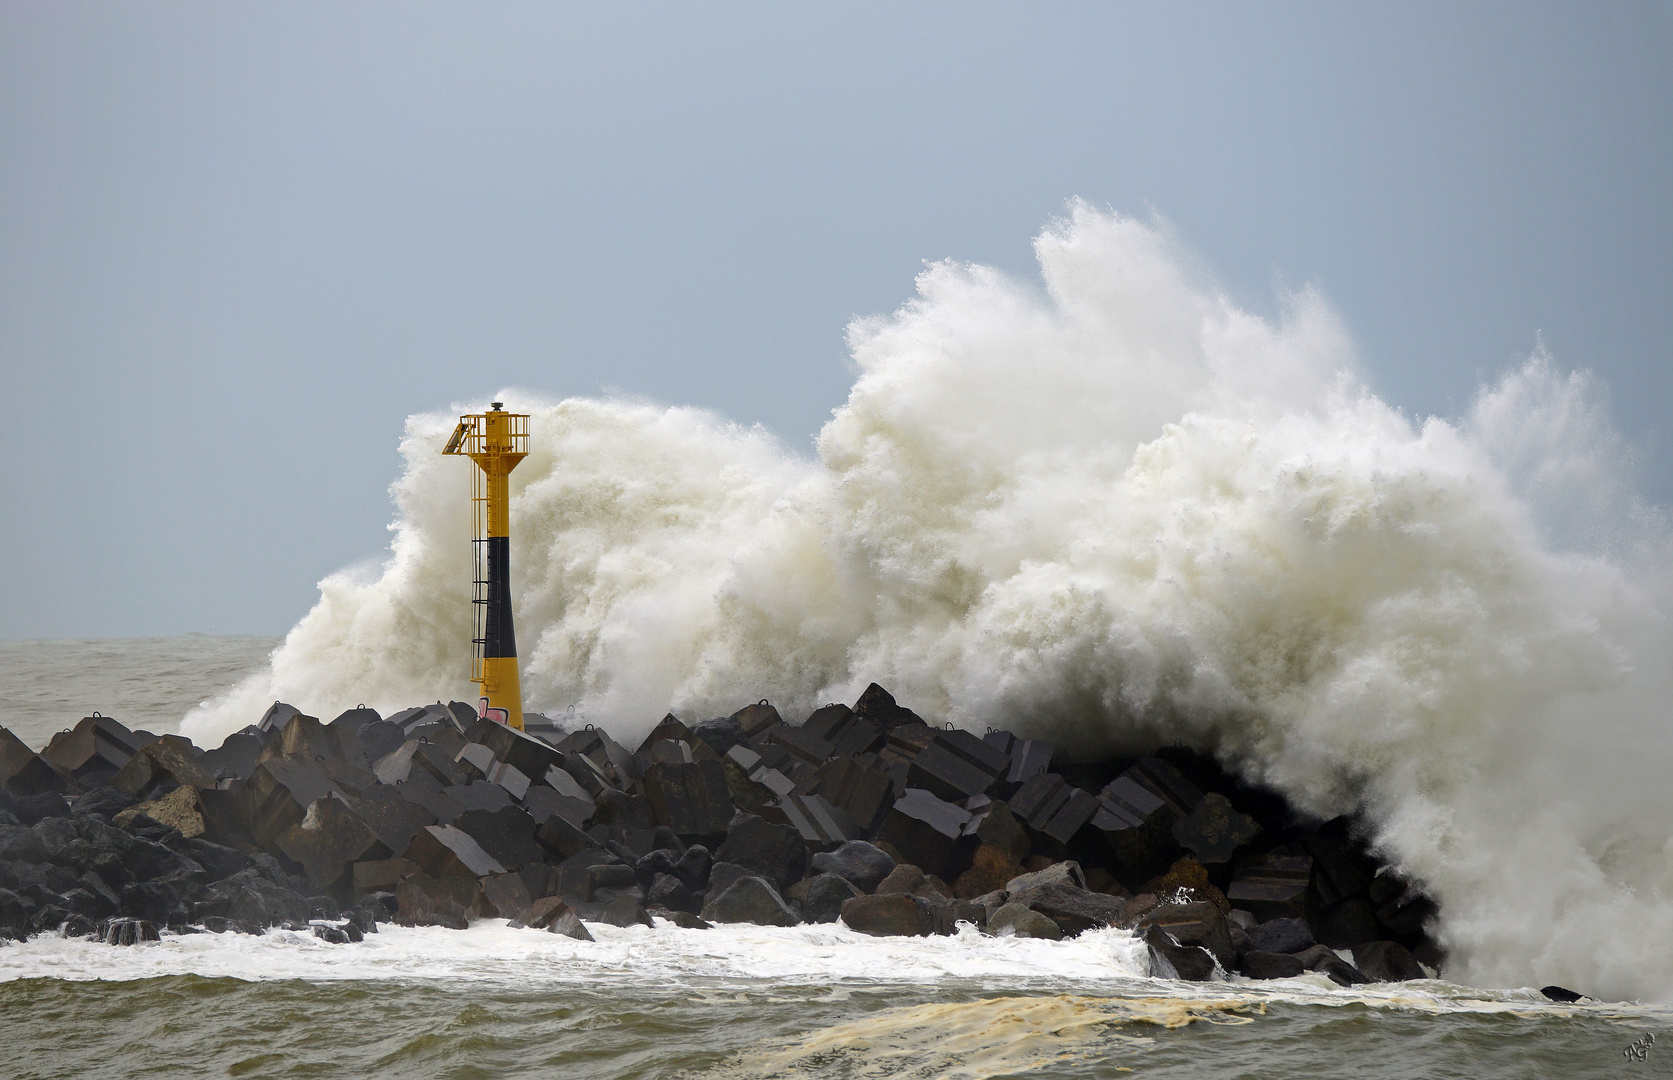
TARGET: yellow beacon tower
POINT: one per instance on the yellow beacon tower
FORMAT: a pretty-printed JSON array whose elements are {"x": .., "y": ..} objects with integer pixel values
[{"x": 496, "y": 441}]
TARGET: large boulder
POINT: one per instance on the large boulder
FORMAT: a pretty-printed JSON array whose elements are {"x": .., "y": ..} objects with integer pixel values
[
  {"x": 1282, "y": 936},
  {"x": 1171, "y": 959},
  {"x": 436, "y": 901},
  {"x": 443, "y": 851},
  {"x": 1074, "y": 910},
  {"x": 329, "y": 838},
  {"x": 1215, "y": 831},
  {"x": 775, "y": 852},
  {"x": 1270, "y": 965},
  {"x": 1018, "y": 920},
  {"x": 861, "y": 864},
  {"x": 1387, "y": 961},
  {"x": 1198, "y": 923},
  {"x": 170, "y": 760},
  {"x": 178, "y": 810},
  {"x": 750, "y": 899},
  {"x": 1272, "y": 886},
  {"x": 1323, "y": 959},
  {"x": 928, "y": 830},
  {"x": 889, "y": 915},
  {"x": 824, "y": 895}
]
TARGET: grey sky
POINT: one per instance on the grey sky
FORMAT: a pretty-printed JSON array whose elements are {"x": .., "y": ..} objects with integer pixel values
[{"x": 240, "y": 243}]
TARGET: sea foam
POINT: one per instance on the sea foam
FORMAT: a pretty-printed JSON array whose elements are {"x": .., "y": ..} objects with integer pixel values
[{"x": 1111, "y": 510}]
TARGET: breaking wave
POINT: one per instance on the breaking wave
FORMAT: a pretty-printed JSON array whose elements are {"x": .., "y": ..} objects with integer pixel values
[{"x": 1112, "y": 511}]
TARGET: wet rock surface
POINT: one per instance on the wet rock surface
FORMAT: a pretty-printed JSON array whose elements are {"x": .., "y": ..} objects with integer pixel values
[{"x": 862, "y": 814}]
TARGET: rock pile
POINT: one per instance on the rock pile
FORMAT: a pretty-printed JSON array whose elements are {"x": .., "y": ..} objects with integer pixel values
[{"x": 863, "y": 814}]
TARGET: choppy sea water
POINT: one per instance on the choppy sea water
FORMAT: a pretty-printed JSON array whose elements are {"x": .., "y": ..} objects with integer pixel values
[
  {"x": 748, "y": 1002},
  {"x": 732, "y": 1002},
  {"x": 150, "y": 683}
]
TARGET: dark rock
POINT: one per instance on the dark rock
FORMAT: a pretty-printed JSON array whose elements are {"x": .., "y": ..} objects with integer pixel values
[
  {"x": 1282, "y": 936},
  {"x": 1561, "y": 993},
  {"x": 1387, "y": 961},
  {"x": 436, "y": 901},
  {"x": 418, "y": 758},
  {"x": 277, "y": 795},
  {"x": 506, "y": 834},
  {"x": 685, "y": 920},
  {"x": 569, "y": 925},
  {"x": 128, "y": 931},
  {"x": 541, "y": 913},
  {"x": 154, "y": 901},
  {"x": 105, "y": 801},
  {"x": 878, "y": 706},
  {"x": 479, "y": 796},
  {"x": 558, "y": 835},
  {"x": 444, "y": 851},
  {"x": 393, "y": 819},
  {"x": 1341, "y": 867},
  {"x": 106, "y": 900},
  {"x": 991, "y": 868},
  {"x": 824, "y": 896},
  {"x": 623, "y": 811},
  {"x": 96, "y": 746},
  {"x": 170, "y": 760},
  {"x": 956, "y": 765},
  {"x": 862, "y": 864},
  {"x": 1028, "y": 759},
  {"x": 1348, "y": 924},
  {"x": 756, "y": 718},
  {"x": 542, "y": 802},
  {"x": 693, "y": 867},
  {"x": 668, "y": 891},
  {"x": 1019, "y": 920},
  {"x": 1215, "y": 831},
  {"x": 217, "y": 860},
  {"x": 1074, "y": 910},
  {"x": 19, "y": 843},
  {"x": 79, "y": 926},
  {"x": 237, "y": 756},
  {"x": 930, "y": 831},
  {"x": 904, "y": 878},
  {"x": 820, "y": 823},
  {"x": 1053, "y": 809},
  {"x": 1323, "y": 959},
  {"x": 34, "y": 809},
  {"x": 610, "y": 880},
  {"x": 1067, "y": 872},
  {"x": 690, "y": 798},
  {"x": 505, "y": 894},
  {"x": 23, "y": 772},
  {"x": 776, "y": 852},
  {"x": 1270, "y": 965},
  {"x": 1169, "y": 959},
  {"x": 625, "y": 911},
  {"x": 328, "y": 839},
  {"x": 15, "y": 911},
  {"x": 862, "y": 792},
  {"x": 750, "y": 899},
  {"x": 721, "y": 735},
  {"x": 331, "y": 935},
  {"x": 890, "y": 915},
  {"x": 1196, "y": 923},
  {"x": 380, "y": 875},
  {"x": 1272, "y": 886}
]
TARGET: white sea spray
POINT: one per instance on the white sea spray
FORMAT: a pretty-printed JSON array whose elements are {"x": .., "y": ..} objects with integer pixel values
[{"x": 1113, "y": 511}]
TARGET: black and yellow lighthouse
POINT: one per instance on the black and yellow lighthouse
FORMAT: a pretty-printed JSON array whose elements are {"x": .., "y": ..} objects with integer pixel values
[{"x": 496, "y": 440}]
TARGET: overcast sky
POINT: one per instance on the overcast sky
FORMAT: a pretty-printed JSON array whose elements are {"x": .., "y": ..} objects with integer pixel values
[{"x": 240, "y": 243}]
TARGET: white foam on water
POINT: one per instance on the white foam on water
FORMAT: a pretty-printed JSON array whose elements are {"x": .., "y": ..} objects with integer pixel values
[{"x": 1111, "y": 510}]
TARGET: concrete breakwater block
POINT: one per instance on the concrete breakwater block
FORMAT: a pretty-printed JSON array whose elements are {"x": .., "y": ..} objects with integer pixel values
[{"x": 860, "y": 814}]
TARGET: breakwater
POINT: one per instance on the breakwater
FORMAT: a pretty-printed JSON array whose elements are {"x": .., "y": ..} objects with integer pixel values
[{"x": 863, "y": 814}]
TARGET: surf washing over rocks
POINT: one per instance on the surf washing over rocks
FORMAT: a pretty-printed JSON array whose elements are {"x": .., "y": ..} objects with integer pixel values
[{"x": 1112, "y": 511}]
